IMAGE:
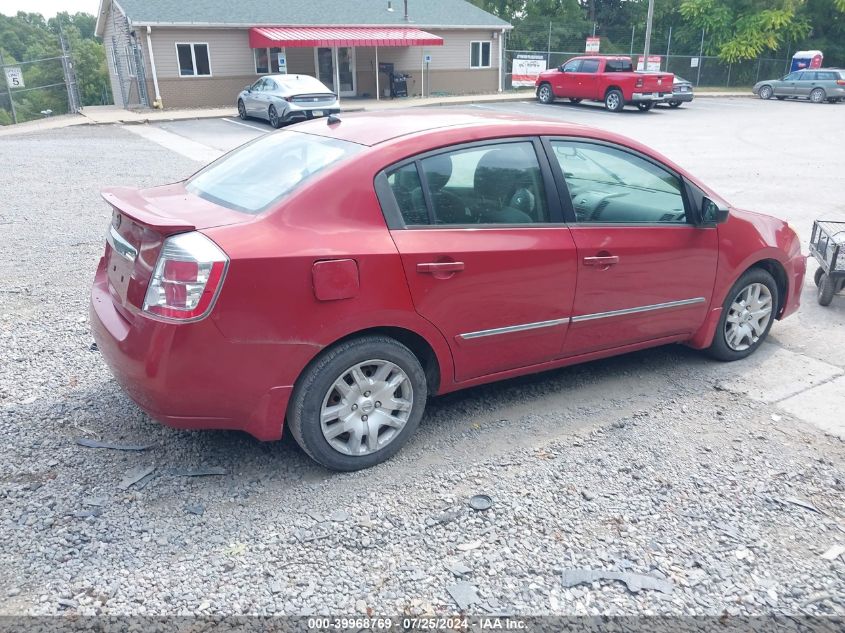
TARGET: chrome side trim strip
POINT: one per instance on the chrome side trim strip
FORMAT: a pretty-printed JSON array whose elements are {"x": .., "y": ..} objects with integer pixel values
[
  {"x": 513, "y": 328},
  {"x": 656, "y": 306},
  {"x": 120, "y": 245}
]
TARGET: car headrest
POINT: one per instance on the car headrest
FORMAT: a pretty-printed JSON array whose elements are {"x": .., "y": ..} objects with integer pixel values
[{"x": 438, "y": 170}]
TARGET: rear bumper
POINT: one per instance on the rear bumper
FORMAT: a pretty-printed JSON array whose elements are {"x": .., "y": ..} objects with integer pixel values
[
  {"x": 654, "y": 97},
  {"x": 302, "y": 113},
  {"x": 188, "y": 375},
  {"x": 683, "y": 97}
]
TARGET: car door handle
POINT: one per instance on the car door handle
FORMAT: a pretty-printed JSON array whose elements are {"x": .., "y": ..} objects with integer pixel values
[
  {"x": 603, "y": 260},
  {"x": 440, "y": 267}
]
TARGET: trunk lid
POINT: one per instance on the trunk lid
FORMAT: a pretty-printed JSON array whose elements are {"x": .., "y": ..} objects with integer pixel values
[{"x": 141, "y": 221}]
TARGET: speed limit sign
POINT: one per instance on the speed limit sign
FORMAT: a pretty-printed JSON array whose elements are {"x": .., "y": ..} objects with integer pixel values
[{"x": 14, "y": 77}]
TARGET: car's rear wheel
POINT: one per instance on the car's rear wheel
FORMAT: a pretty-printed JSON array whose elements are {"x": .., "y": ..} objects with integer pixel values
[
  {"x": 674, "y": 104},
  {"x": 273, "y": 116},
  {"x": 545, "y": 94},
  {"x": 574, "y": 100},
  {"x": 765, "y": 92},
  {"x": 241, "y": 110},
  {"x": 747, "y": 316},
  {"x": 645, "y": 106},
  {"x": 614, "y": 101},
  {"x": 358, "y": 403},
  {"x": 817, "y": 95}
]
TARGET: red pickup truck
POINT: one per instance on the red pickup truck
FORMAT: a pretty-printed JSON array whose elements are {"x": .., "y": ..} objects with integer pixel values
[{"x": 608, "y": 79}]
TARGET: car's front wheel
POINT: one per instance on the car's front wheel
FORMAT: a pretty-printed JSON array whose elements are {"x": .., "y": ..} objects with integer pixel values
[
  {"x": 614, "y": 101},
  {"x": 765, "y": 92},
  {"x": 358, "y": 403},
  {"x": 273, "y": 116},
  {"x": 747, "y": 316},
  {"x": 241, "y": 110},
  {"x": 545, "y": 94}
]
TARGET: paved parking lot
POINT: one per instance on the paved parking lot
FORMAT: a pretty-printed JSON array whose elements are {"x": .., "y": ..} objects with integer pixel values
[{"x": 727, "y": 481}]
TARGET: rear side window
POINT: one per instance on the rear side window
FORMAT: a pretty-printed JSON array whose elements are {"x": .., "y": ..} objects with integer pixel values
[
  {"x": 614, "y": 186},
  {"x": 590, "y": 66},
  {"x": 823, "y": 76},
  {"x": 490, "y": 184},
  {"x": 618, "y": 66},
  {"x": 255, "y": 176}
]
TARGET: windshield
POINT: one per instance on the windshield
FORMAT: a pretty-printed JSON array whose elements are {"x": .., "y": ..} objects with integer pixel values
[{"x": 253, "y": 177}]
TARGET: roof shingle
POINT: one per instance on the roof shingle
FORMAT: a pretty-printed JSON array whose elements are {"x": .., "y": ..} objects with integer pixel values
[{"x": 422, "y": 13}]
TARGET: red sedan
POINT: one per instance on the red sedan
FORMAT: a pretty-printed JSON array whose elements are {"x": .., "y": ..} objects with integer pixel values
[{"x": 334, "y": 275}]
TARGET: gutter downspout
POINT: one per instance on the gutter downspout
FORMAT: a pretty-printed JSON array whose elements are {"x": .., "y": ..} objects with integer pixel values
[
  {"x": 157, "y": 103},
  {"x": 502, "y": 65}
]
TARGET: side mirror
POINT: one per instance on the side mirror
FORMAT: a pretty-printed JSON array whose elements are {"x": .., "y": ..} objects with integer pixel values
[
  {"x": 562, "y": 69},
  {"x": 712, "y": 213},
  {"x": 248, "y": 88}
]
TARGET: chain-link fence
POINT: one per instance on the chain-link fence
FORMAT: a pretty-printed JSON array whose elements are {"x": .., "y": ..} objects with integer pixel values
[{"x": 681, "y": 51}]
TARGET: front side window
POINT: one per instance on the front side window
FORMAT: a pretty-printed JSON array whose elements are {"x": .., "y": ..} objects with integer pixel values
[
  {"x": 572, "y": 66},
  {"x": 792, "y": 77},
  {"x": 193, "y": 60},
  {"x": 490, "y": 184},
  {"x": 590, "y": 66},
  {"x": 255, "y": 176},
  {"x": 607, "y": 184},
  {"x": 479, "y": 55},
  {"x": 808, "y": 76}
]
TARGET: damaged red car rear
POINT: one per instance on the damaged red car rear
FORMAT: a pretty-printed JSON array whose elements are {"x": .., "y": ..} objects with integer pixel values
[{"x": 334, "y": 275}]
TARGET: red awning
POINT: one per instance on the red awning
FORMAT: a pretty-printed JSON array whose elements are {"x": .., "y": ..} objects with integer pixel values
[{"x": 278, "y": 36}]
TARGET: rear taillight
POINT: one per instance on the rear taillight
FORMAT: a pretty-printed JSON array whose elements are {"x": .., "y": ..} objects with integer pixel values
[
  {"x": 187, "y": 277},
  {"x": 840, "y": 82},
  {"x": 639, "y": 82}
]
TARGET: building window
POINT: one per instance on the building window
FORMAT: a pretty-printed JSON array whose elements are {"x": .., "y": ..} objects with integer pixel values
[
  {"x": 479, "y": 55},
  {"x": 193, "y": 60},
  {"x": 266, "y": 60},
  {"x": 130, "y": 60}
]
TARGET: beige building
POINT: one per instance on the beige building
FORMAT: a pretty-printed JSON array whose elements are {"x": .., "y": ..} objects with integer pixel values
[{"x": 194, "y": 53}]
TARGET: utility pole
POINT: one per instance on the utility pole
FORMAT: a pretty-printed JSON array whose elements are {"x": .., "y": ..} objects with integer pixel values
[
  {"x": 648, "y": 33},
  {"x": 8, "y": 90}
]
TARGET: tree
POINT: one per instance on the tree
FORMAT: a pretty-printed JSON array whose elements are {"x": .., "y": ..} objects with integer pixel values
[{"x": 745, "y": 29}]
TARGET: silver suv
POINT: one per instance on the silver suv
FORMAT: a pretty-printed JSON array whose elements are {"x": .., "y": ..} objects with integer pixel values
[{"x": 817, "y": 85}]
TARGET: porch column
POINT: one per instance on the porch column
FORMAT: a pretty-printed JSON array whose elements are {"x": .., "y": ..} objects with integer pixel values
[
  {"x": 336, "y": 53},
  {"x": 378, "y": 92}
]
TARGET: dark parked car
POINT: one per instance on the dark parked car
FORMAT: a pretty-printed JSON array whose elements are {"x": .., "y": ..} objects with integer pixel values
[
  {"x": 681, "y": 92},
  {"x": 332, "y": 276},
  {"x": 818, "y": 85}
]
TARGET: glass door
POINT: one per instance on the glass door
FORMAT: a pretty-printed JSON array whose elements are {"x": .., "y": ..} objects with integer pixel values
[{"x": 327, "y": 60}]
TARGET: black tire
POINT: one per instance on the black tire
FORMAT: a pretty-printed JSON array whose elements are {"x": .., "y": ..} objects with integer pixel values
[
  {"x": 614, "y": 101},
  {"x": 273, "y": 116},
  {"x": 827, "y": 288},
  {"x": 241, "y": 110},
  {"x": 719, "y": 348},
  {"x": 545, "y": 94},
  {"x": 817, "y": 276},
  {"x": 574, "y": 100},
  {"x": 645, "y": 106},
  {"x": 765, "y": 92},
  {"x": 316, "y": 382},
  {"x": 818, "y": 95},
  {"x": 675, "y": 104}
]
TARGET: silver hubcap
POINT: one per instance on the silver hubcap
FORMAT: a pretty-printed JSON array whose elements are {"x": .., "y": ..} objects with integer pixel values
[
  {"x": 817, "y": 95},
  {"x": 748, "y": 317},
  {"x": 241, "y": 109},
  {"x": 766, "y": 93},
  {"x": 613, "y": 101},
  {"x": 367, "y": 407},
  {"x": 273, "y": 116},
  {"x": 545, "y": 93}
]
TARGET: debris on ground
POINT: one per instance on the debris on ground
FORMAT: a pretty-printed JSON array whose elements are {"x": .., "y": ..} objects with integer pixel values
[
  {"x": 634, "y": 582},
  {"x": 798, "y": 502},
  {"x": 458, "y": 569},
  {"x": 464, "y": 594},
  {"x": 480, "y": 502},
  {"x": 196, "y": 508},
  {"x": 465, "y": 547},
  {"x": 834, "y": 552},
  {"x": 198, "y": 472},
  {"x": 136, "y": 476},
  {"x": 87, "y": 442}
]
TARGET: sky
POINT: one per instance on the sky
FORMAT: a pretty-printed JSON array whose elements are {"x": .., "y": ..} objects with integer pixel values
[{"x": 48, "y": 8}]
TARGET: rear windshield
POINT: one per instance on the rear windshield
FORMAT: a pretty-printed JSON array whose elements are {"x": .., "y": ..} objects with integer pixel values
[
  {"x": 618, "y": 66},
  {"x": 255, "y": 176}
]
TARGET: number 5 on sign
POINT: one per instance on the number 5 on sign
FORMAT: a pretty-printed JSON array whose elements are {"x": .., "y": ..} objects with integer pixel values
[{"x": 14, "y": 77}]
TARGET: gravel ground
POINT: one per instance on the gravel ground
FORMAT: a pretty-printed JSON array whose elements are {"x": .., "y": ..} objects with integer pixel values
[{"x": 644, "y": 464}]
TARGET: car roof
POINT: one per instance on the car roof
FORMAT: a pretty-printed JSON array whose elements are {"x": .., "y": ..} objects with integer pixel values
[{"x": 373, "y": 128}]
